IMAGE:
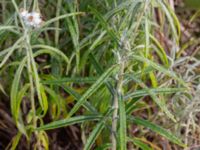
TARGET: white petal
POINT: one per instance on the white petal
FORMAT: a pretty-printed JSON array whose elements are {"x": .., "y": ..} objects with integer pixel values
[
  {"x": 24, "y": 13},
  {"x": 37, "y": 21},
  {"x": 35, "y": 14}
]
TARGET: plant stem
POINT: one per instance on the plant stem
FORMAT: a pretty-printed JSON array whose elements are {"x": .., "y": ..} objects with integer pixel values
[
  {"x": 57, "y": 23},
  {"x": 116, "y": 105},
  {"x": 30, "y": 74},
  {"x": 35, "y": 5}
]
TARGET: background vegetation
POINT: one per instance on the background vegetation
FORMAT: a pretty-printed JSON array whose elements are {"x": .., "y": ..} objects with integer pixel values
[{"x": 100, "y": 74}]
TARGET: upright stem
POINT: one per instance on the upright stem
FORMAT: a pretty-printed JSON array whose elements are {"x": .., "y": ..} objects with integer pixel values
[
  {"x": 35, "y": 5},
  {"x": 30, "y": 75},
  {"x": 116, "y": 105},
  {"x": 57, "y": 23},
  {"x": 3, "y": 4}
]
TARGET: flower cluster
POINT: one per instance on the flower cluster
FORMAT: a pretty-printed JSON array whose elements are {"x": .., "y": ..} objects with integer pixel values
[{"x": 31, "y": 19}]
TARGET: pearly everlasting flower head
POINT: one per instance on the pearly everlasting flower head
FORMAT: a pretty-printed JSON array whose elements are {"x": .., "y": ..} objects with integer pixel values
[
  {"x": 31, "y": 19},
  {"x": 23, "y": 13}
]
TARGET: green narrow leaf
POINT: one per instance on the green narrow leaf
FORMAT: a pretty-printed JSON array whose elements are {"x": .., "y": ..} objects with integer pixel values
[
  {"x": 39, "y": 87},
  {"x": 71, "y": 80},
  {"x": 68, "y": 121},
  {"x": 147, "y": 34},
  {"x": 15, "y": 88},
  {"x": 53, "y": 49},
  {"x": 15, "y": 141},
  {"x": 12, "y": 29},
  {"x": 104, "y": 146},
  {"x": 95, "y": 133},
  {"x": 140, "y": 144},
  {"x": 176, "y": 20},
  {"x": 3, "y": 52},
  {"x": 74, "y": 32},
  {"x": 159, "y": 102},
  {"x": 104, "y": 24},
  {"x": 132, "y": 105},
  {"x": 77, "y": 97},
  {"x": 55, "y": 99},
  {"x": 62, "y": 83},
  {"x": 161, "y": 52},
  {"x": 157, "y": 129},
  {"x": 144, "y": 92},
  {"x": 2, "y": 90},
  {"x": 61, "y": 17},
  {"x": 44, "y": 99},
  {"x": 172, "y": 21},
  {"x": 132, "y": 8},
  {"x": 16, "y": 96},
  {"x": 159, "y": 68},
  {"x": 98, "y": 41},
  {"x": 17, "y": 117},
  {"x": 99, "y": 70},
  {"x": 11, "y": 50},
  {"x": 92, "y": 89}
]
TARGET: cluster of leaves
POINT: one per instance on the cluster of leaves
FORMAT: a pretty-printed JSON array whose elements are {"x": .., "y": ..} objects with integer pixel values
[{"x": 90, "y": 63}]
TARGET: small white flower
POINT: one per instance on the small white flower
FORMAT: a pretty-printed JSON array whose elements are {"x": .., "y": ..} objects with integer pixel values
[
  {"x": 32, "y": 19},
  {"x": 23, "y": 13},
  {"x": 35, "y": 14},
  {"x": 36, "y": 19},
  {"x": 37, "y": 22}
]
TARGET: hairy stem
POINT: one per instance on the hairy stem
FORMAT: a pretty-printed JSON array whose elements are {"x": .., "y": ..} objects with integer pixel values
[
  {"x": 57, "y": 23},
  {"x": 116, "y": 105},
  {"x": 30, "y": 75}
]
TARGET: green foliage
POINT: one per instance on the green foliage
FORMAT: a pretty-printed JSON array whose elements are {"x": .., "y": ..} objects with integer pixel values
[
  {"x": 158, "y": 130},
  {"x": 92, "y": 64}
]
